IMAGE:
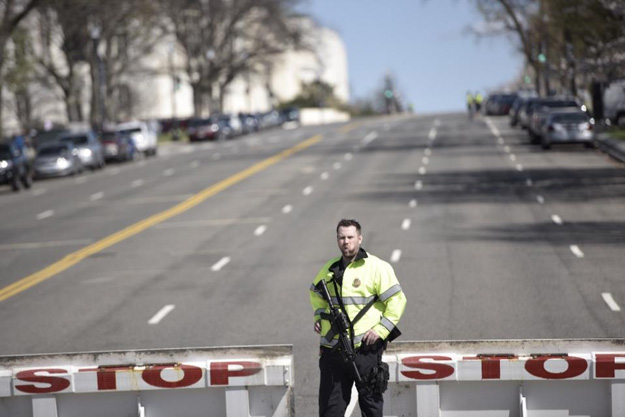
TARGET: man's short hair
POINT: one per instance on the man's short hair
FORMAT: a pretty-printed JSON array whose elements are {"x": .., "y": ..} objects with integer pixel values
[{"x": 348, "y": 223}]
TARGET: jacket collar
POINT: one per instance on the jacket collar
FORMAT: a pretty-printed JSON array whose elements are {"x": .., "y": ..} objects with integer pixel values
[{"x": 362, "y": 254}]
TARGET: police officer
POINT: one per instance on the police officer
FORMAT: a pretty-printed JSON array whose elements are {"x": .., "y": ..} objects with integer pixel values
[{"x": 355, "y": 279}]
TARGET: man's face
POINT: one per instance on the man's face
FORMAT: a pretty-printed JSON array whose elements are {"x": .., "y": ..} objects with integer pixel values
[{"x": 349, "y": 240}]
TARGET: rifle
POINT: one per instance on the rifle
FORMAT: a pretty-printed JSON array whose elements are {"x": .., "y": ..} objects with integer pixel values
[{"x": 340, "y": 324}]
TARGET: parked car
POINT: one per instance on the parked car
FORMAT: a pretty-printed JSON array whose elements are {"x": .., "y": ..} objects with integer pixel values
[
  {"x": 542, "y": 108},
  {"x": 88, "y": 148},
  {"x": 117, "y": 147},
  {"x": 232, "y": 121},
  {"x": 249, "y": 123},
  {"x": 515, "y": 110},
  {"x": 290, "y": 115},
  {"x": 499, "y": 104},
  {"x": 15, "y": 167},
  {"x": 205, "y": 129},
  {"x": 525, "y": 112},
  {"x": 567, "y": 126},
  {"x": 57, "y": 160},
  {"x": 142, "y": 134}
]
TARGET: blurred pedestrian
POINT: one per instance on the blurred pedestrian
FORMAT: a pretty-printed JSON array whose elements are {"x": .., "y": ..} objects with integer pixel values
[{"x": 470, "y": 104}]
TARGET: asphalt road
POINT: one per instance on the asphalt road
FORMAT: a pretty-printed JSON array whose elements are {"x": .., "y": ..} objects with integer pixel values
[{"x": 490, "y": 237}]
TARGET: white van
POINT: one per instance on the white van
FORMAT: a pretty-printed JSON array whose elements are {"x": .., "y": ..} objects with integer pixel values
[
  {"x": 144, "y": 137},
  {"x": 614, "y": 103}
]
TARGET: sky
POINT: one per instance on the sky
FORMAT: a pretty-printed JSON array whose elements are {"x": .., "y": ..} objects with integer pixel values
[{"x": 424, "y": 44}]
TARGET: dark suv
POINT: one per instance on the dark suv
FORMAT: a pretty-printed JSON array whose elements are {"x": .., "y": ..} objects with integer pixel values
[{"x": 15, "y": 167}]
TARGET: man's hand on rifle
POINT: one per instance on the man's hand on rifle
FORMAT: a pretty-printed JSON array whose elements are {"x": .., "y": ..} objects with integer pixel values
[
  {"x": 318, "y": 327},
  {"x": 370, "y": 337}
]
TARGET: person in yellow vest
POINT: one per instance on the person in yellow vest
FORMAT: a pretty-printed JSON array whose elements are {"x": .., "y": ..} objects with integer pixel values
[
  {"x": 357, "y": 281},
  {"x": 478, "y": 102},
  {"x": 470, "y": 104}
]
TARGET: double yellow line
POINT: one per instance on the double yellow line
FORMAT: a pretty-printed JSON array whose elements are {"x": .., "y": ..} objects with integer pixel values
[{"x": 75, "y": 257}]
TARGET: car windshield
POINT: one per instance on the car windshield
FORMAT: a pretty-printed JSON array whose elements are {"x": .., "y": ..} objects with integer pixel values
[
  {"x": 109, "y": 136},
  {"x": 49, "y": 136},
  {"x": 77, "y": 140},
  {"x": 200, "y": 122},
  {"x": 52, "y": 150},
  {"x": 561, "y": 103},
  {"x": 130, "y": 131},
  {"x": 570, "y": 118}
]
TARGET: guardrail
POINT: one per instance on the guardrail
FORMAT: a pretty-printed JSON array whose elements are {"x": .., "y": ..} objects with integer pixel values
[
  {"x": 526, "y": 378},
  {"x": 232, "y": 381}
]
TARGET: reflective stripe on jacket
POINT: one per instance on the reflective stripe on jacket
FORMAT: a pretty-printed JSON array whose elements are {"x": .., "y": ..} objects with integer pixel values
[{"x": 363, "y": 279}]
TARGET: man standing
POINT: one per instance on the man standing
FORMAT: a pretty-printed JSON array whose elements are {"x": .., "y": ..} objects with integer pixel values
[{"x": 357, "y": 281}]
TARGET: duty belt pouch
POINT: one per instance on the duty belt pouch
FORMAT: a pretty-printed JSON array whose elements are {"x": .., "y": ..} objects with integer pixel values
[{"x": 377, "y": 379}]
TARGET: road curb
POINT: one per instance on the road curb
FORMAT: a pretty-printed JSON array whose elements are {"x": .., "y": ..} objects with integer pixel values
[{"x": 614, "y": 148}]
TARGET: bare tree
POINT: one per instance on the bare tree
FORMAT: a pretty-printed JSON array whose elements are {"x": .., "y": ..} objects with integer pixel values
[
  {"x": 19, "y": 76},
  {"x": 122, "y": 33},
  {"x": 12, "y": 12},
  {"x": 222, "y": 39},
  {"x": 62, "y": 27}
]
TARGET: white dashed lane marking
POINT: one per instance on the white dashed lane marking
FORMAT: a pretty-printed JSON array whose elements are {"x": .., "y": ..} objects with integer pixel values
[
  {"x": 506, "y": 149},
  {"x": 337, "y": 165},
  {"x": 136, "y": 183},
  {"x": 513, "y": 157},
  {"x": 422, "y": 170},
  {"x": 168, "y": 172},
  {"x": 413, "y": 203},
  {"x": 519, "y": 167},
  {"x": 529, "y": 182},
  {"x": 324, "y": 176},
  {"x": 428, "y": 152},
  {"x": 96, "y": 196},
  {"x": 161, "y": 314},
  {"x": 557, "y": 219},
  {"x": 370, "y": 138},
  {"x": 577, "y": 251},
  {"x": 432, "y": 134},
  {"x": 540, "y": 199},
  {"x": 307, "y": 191},
  {"x": 287, "y": 209},
  {"x": 45, "y": 214},
  {"x": 195, "y": 164},
  {"x": 260, "y": 230},
  {"x": 405, "y": 225},
  {"x": 425, "y": 160},
  {"x": 220, "y": 264},
  {"x": 609, "y": 300},
  {"x": 418, "y": 185},
  {"x": 396, "y": 255},
  {"x": 348, "y": 156}
]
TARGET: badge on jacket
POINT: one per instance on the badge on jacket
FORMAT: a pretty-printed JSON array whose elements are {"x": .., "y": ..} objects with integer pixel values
[{"x": 356, "y": 283}]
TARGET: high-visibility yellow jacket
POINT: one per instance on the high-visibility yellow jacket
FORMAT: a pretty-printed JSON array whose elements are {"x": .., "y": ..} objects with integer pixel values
[{"x": 363, "y": 279}]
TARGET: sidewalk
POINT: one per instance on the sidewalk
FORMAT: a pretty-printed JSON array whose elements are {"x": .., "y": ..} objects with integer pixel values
[{"x": 614, "y": 147}]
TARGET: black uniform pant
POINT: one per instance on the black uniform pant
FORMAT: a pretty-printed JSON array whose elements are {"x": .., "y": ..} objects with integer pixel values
[{"x": 336, "y": 383}]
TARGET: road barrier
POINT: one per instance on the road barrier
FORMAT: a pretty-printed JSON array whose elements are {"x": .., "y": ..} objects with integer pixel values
[
  {"x": 232, "y": 382},
  {"x": 525, "y": 378},
  {"x": 494, "y": 378}
]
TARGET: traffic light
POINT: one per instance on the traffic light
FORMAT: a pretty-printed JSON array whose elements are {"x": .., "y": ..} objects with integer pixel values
[
  {"x": 388, "y": 94},
  {"x": 542, "y": 58}
]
